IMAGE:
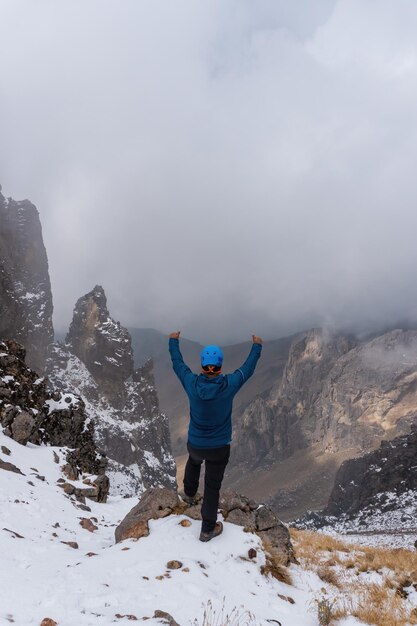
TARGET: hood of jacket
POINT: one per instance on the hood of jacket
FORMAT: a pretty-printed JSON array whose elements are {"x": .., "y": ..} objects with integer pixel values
[{"x": 209, "y": 388}]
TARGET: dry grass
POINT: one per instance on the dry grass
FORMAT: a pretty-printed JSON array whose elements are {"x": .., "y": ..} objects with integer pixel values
[
  {"x": 221, "y": 617},
  {"x": 344, "y": 566}
]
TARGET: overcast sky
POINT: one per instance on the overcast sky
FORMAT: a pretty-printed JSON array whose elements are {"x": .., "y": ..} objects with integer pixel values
[{"x": 221, "y": 167}]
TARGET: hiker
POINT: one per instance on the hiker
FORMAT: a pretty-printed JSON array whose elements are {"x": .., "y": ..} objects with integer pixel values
[{"x": 210, "y": 430}]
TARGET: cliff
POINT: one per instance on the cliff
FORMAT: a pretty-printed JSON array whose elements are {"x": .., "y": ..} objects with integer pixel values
[{"x": 25, "y": 289}]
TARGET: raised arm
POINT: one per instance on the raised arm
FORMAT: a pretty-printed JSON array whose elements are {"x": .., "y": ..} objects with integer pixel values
[
  {"x": 180, "y": 368},
  {"x": 243, "y": 373}
]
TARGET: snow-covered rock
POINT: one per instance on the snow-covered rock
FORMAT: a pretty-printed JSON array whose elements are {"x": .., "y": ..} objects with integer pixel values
[
  {"x": 97, "y": 362},
  {"x": 29, "y": 413}
]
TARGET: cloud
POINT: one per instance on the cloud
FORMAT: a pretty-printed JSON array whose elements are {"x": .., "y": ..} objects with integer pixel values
[{"x": 223, "y": 167}]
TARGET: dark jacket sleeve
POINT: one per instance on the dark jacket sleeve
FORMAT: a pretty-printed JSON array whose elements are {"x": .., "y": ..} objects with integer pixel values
[
  {"x": 241, "y": 375},
  {"x": 180, "y": 368}
]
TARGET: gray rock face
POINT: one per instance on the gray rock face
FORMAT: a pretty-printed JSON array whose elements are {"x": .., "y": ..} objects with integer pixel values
[
  {"x": 364, "y": 483},
  {"x": 334, "y": 394},
  {"x": 102, "y": 344},
  {"x": 31, "y": 413},
  {"x": 97, "y": 361},
  {"x": 25, "y": 289}
]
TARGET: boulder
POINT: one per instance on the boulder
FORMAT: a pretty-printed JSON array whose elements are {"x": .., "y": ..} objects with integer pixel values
[
  {"x": 265, "y": 518},
  {"x": 9, "y": 467},
  {"x": 22, "y": 427},
  {"x": 247, "y": 519},
  {"x": 240, "y": 510},
  {"x": 279, "y": 538},
  {"x": 154, "y": 504}
]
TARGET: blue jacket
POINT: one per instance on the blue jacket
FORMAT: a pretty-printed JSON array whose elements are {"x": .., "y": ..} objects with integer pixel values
[{"x": 211, "y": 398}]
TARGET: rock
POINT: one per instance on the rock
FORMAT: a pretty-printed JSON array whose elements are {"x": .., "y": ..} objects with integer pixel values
[
  {"x": 70, "y": 471},
  {"x": 265, "y": 518},
  {"x": 34, "y": 416},
  {"x": 230, "y": 500},
  {"x": 56, "y": 457},
  {"x": 22, "y": 427},
  {"x": 5, "y": 450},
  {"x": 279, "y": 538},
  {"x": 336, "y": 395},
  {"x": 13, "y": 532},
  {"x": 25, "y": 288},
  {"x": 71, "y": 544},
  {"x": 252, "y": 553},
  {"x": 242, "y": 518},
  {"x": 194, "y": 512},
  {"x": 102, "y": 484},
  {"x": 185, "y": 523},
  {"x": 154, "y": 503},
  {"x": 68, "y": 489},
  {"x": 286, "y": 598},
  {"x": 87, "y": 524},
  {"x": 359, "y": 482},
  {"x": 166, "y": 617},
  {"x": 174, "y": 564},
  {"x": 131, "y": 617},
  {"x": 97, "y": 358},
  {"x": 47, "y": 621},
  {"x": 83, "y": 507},
  {"x": 9, "y": 467}
]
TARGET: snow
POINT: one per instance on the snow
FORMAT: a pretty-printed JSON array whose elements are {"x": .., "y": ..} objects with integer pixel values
[
  {"x": 67, "y": 400},
  {"x": 151, "y": 459},
  {"x": 46, "y": 578}
]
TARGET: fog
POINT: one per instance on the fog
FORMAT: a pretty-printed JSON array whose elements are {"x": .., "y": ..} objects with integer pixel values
[{"x": 221, "y": 167}]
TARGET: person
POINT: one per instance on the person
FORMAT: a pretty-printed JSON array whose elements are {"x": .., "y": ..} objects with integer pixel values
[{"x": 210, "y": 394}]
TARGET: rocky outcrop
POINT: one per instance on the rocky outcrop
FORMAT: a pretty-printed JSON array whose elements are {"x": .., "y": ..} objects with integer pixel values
[
  {"x": 25, "y": 289},
  {"x": 102, "y": 344},
  {"x": 334, "y": 394},
  {"x": 29, "y": 412},
  {"x": 369, "y": 481},
  {"x": 235, "y": 508},
  {"x": 97, "y": 361}
]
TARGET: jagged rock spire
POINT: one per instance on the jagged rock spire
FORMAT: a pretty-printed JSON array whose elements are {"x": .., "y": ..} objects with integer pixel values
[
  {"x": 25, "y": 288},
  {"x": 101, "y": 343}
]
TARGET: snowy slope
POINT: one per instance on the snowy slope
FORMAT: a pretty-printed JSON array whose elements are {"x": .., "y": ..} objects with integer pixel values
[{"x": 42, "y": 577}]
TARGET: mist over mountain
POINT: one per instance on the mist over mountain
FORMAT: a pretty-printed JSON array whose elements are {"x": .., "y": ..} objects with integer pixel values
[{"x": 222, "y": 168}]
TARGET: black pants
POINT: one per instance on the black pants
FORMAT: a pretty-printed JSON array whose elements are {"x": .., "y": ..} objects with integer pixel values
[{"x": 216, "y": 460}]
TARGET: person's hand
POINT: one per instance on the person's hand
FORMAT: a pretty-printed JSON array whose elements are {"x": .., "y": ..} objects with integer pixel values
[
  {"x": 175, "y": 335},
  {"x": 256, "y": 339}
]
